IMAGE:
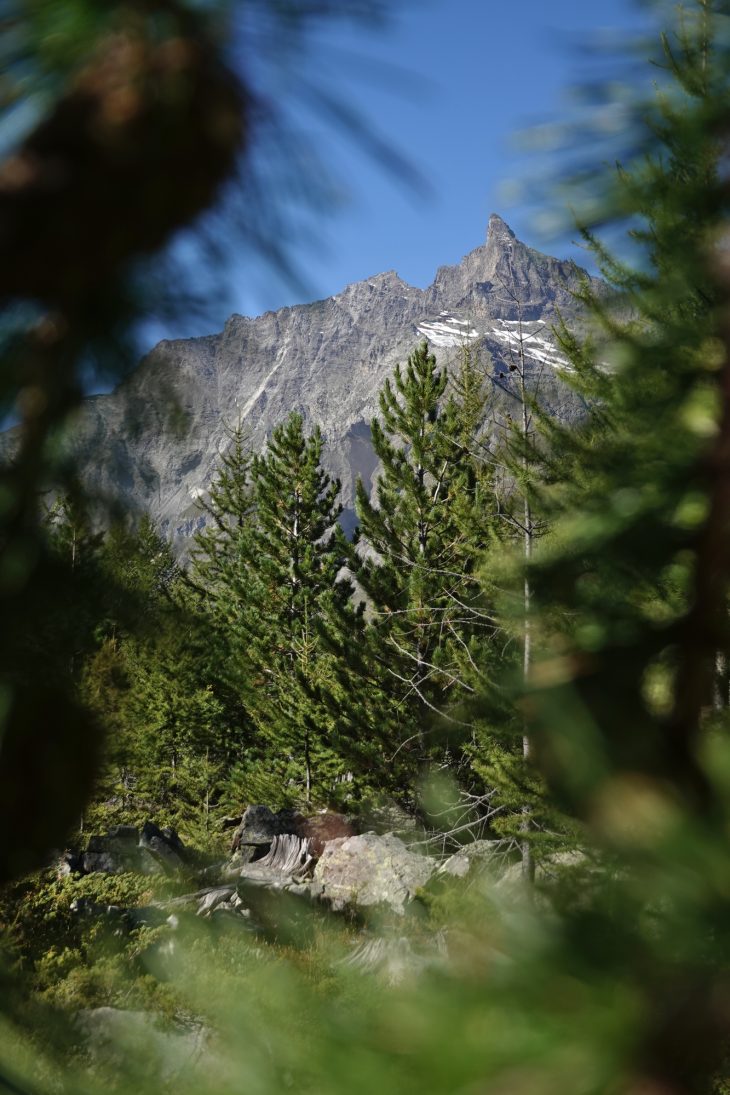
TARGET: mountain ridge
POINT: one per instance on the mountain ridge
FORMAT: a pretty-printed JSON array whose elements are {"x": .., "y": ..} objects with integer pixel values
[{"x": 154, "y": 441}]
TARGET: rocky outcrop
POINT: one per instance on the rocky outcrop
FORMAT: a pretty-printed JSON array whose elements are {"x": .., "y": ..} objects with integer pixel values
[
  {"x": 371, "y": 870},
  {"x": 124, "y": 848},
  {"x": 323, "y": 857},
  {"x": 320, "y": 859},
  {"x": 155, "y": 441},
  {"x": 117, "y": 852},
  {"x": 165, "y": 845}
]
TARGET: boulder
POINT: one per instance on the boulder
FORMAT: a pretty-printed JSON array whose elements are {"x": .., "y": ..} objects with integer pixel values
[
  {"x": 475, "y": 855},
  {"x": 212, "y": 899},
  {"x": 136, "y": 861},
  {"x": 371, "y": 870},
  {"x": 124, "y": 848},
  {"x": 165, "y": 845},
  {"x": 259, "y": 825},
  {"x": 117, "y": 852}
]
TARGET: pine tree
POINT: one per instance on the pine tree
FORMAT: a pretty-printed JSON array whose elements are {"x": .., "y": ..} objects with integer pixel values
[
  {"x": 282, "y": 589},
  {"x": 229, "y": 504},
  {"x": 421, "y": 542}
]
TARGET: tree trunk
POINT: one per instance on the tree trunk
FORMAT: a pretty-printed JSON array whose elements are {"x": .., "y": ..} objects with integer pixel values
[{"x": 528, "y": 862}]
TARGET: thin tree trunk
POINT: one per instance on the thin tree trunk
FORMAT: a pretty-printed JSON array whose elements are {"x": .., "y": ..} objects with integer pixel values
[
  {"x": 207, "y": 790},
  {"x": 528, "y": 861}
]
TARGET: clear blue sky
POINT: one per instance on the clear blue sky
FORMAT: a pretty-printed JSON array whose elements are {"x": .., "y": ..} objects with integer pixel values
[{"x": 448, "y": 86}]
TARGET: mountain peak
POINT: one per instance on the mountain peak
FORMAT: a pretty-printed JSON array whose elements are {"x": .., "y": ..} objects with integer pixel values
[
  {"x": 498, "y": 231},
  {"x": 329, "y": 360}
]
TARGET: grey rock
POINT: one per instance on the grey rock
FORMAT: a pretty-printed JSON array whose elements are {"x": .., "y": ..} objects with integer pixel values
[
  {"x": 115, "y": 852},
  {"x": 479, "y": 853},
  {"x": 371, "y": 870},
  {"x": 154, "y": 442},
  {"x": 165, "y": 845},
  {"x": 210, "y": 900},
  {"x": 117, "y": 861},
  {"x": 124, "y": 848},
  {"x": 259, "y": 825}
]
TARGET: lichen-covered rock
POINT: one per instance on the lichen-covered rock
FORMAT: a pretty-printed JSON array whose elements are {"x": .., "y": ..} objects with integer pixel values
[{"x": 371, "y": 870}]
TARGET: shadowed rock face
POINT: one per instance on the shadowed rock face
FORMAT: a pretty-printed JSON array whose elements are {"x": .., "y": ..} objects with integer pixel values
[{"x": 156, "y": 439}]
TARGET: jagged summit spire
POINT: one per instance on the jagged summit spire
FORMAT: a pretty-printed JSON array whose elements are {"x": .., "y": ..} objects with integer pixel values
[{"x": 498, "y": 231}]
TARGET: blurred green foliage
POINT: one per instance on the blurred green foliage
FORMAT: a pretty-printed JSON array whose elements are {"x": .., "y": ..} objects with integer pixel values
[{"x": 611, "y": 974}]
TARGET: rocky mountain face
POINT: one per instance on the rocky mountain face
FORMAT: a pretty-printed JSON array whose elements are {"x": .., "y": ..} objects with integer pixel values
[{"x": 156, "y": 439}]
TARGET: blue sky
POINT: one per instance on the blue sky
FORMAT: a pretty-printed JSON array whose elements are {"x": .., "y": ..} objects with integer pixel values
[{"x": 449, "y": 86}]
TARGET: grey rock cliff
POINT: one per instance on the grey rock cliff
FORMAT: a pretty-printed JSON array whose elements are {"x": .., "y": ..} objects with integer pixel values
[{"x": 154, "y": 441}]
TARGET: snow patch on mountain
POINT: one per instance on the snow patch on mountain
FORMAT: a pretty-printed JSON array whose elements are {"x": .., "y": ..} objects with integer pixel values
[
  {"x": 448, "y": 330},
  {"x": 535, "y": 347}
]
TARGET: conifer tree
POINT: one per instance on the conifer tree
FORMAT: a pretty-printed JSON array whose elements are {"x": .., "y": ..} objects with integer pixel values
[
  {"x": 284, "y": 587},
  {"x": 65, "y": 636},
  {"x": 423, "y": 537},
  {"x": 227, "y": 508},
  {"x": 170, "y": 730},
  {"x": 619, "y": 587}
]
